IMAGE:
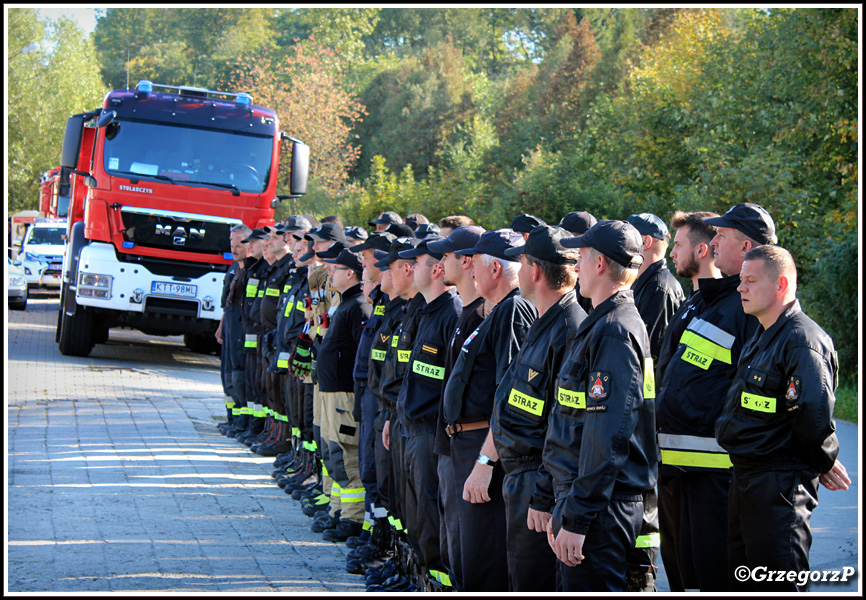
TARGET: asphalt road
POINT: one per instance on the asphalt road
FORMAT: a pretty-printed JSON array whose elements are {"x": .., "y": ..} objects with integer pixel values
[{"x": 118, "y": 481}]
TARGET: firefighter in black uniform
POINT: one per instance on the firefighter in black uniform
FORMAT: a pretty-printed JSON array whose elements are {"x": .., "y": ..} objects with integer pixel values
[
  {"x": 600, "y": 451},
  {"x": 522, "y": 402},
  {"x": 577, "y": 223},
  {"x": 278, "y": 434},
  {"x": 482, "y": 360},
  {"x": 657, "y": 296},
  {"x": 778, "y": 428},
  {"x": 255, "y": 266},
  {"x": 230, "y": 331},
  {"x": 695, "y": 472},
  {"x": 418, "y": 407}
]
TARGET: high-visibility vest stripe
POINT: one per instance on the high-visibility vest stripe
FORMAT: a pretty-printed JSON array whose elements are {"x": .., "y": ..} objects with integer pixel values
[
  {"x": 706, "y": 347},
  {"x": 251, "y": 340},
  {"x": 649, "y": 379},
  {"x": 651, "y": 540},
  {"x": 684, "y": 458},
  {"x": 673, "y": 441},
  {"x": 272, "y": 291}
]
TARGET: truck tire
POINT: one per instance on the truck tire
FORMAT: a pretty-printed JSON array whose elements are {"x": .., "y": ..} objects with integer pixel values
[{"x": 76, "y": 332}]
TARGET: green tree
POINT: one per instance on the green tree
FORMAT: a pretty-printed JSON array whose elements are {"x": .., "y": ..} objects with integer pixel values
[{"x": 51, "y": 75}]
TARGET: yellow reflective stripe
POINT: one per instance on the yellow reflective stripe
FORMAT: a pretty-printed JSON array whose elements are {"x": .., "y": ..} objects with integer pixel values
[
  {"x": 296, "y": 432},
  {"x": 261, "y": 293},
  {"x": 377, "y": 354},
  {"x": 367, "y": 526},
  {"x": 649, "y": 379},
  {"x": 283, "y": 360},
  {"x": 651, "y": 540},
  {"x": 252, "y": 288},
  {"x": 441, "y": 577},
  {"x": 335, "y": 489},
  {"x": 287, "y": 287},
  {"x": 380, "y": 309},
  {"x": 394, "y": 340},
  {"x": 250, "y": 340},
  {"x": 300, "y": 306},
  {"x": 685, "y": 458},
  {"x": 428, "y": 370},
  {"x": 237, "y": 411},
  {"x": 352, "y": 494},
  {"x": 758, "y": 403},
  {"x": 230, "y": 403},
  {"x": 571, "y": 399},
  {"x": 403, "y": 355},
  {"x": 526, "y": 403},
  {"x": 272, "y": 291},
  {"x": 706, "y": 347}
]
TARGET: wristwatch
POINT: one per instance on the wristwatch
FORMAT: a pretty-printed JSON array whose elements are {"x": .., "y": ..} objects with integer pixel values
[{"x": 483, "y": 459}]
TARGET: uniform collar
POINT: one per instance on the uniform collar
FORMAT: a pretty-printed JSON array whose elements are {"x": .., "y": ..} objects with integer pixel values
[
  {"x": 713, "y": 289},
  {"x": 766, "y": 336},
  {"x": 651, "y": 271},
  {"x": 440, "y": 300},
  {"x": 616, "y": 300}
]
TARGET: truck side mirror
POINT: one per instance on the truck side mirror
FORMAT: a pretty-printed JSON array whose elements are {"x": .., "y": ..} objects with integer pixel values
[
  {"x": 72, "y": 141},
  {"x": 300, "y": 167}
]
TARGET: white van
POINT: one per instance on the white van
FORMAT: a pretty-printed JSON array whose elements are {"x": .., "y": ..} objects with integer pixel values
[{"x": 41, "y": 256}]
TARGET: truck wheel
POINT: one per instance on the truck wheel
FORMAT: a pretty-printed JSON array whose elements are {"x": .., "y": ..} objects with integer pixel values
[
  {"x": 100, "y": 335},
  {"x": 76, "y": 332}
]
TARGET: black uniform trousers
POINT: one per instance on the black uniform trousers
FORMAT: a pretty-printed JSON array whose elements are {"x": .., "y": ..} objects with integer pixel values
[
  {"x": 693, "y": 520},
  {"x": 366, "y": 446},
  {"x": 396, "y": 492},
  {"x": 382, "y": 458},
  {"x": 608, "y": 543},
  {"x": 531, "y": 562},
  {"x": 449, "y": 521},
  {"x": 421, "y": 485},
  {"x": 768, "y": 526},
  {"x": 481, "y": 527}
]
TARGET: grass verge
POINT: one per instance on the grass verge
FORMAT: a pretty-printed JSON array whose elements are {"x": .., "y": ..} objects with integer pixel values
[{"x": 847, "y": 402}]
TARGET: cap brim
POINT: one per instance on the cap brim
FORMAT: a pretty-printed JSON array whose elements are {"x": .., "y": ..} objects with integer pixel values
[
  {"x": 719, "y": 222},
  {"x": 441, "y": 246},
  {"x": 307, "y": 256},
  {"x": 516, "y": 251},
  {"x": 412, "y": 253},
  {"x": 573, "y": 242}
]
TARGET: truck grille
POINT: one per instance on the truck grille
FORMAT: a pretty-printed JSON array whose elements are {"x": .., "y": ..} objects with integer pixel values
[{"x": 185, "y": 234}]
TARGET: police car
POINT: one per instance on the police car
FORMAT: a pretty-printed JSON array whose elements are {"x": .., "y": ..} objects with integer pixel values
[{"x": 41, "y": 256}]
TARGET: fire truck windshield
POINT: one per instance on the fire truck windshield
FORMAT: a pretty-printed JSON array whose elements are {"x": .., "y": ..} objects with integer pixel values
[{"x": 184, "y": 154}]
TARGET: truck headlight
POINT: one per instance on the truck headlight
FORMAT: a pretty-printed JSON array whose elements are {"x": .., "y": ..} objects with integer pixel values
[{"x": 93, "y": 285}]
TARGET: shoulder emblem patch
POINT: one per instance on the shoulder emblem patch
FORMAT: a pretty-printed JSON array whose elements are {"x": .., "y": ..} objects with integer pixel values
[
  {"x": 600, "y": 385},
  {"x": 793, "y": 392}
]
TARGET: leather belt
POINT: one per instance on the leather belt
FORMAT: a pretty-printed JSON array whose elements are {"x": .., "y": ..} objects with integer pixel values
[{"x": 458, "y": 427}]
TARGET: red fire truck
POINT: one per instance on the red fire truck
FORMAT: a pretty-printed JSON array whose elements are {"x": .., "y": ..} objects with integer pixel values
[
  {"x": 159, "y": 175},
  {"x": 53, "y": 194}
]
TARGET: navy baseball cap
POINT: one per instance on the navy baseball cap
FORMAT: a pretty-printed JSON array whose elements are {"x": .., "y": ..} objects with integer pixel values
[
  {"x": 398, "y": 245},
  {"x": 620, "y": 241},
  {"x": 347, "y": 259},
  {"x": 462, "y": 238},
  {"x": 422, "y": 248},
  {"x": 256, "y": 234},
  {"x": 426, "y": 229},
  {"x": 386, "y": 218},
  {"x": 750, "y": 219},
  {"x": 333, "y": 251},
  {"x": 649, "y": 224},
  {"x": 355, "y": 233},
  {"x": 525, "y": 223},
  {"x": 545, "y": 243},
  {"x": 378, "y": 240},
  {"x": 577, "y": 223},
  {"x": 326, "y": 232},
  {"x": 496, "y": 243},
  {"x": 401, "y": 230}
]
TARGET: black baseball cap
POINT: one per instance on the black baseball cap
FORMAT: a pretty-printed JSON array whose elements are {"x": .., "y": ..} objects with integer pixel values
[
  {"x": 650, "y": 224},
  {"x": 426, "y": 229},
  {"x": 401, "y": 230},
  {"x": 386, "y": 218},
  {"x": 545, "y": 243},
  {"x": 422, "y": 248},
  {"x": 326, "y": 232},
  {"x": 256, "y": 234},
  {"x": 526, "y": 223},
  {"x": 378, "y": 240},
  {"x": 462, "y": 238},
  {"x": 296, "y": 223},
  {"x": 577, "y": 223},
  {"x": 333, "y": 251},
  {"x": 750, "y": 219},
  {"x": 620, "y": 241},
  {"x": 355, "y": 233},
  {"x": 347, "y": 259},
  {"x": 496, "y": 243},
  {"x": 399, "y": 244}
]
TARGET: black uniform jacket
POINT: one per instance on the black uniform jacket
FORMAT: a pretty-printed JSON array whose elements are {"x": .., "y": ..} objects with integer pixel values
[
  {"x": 399, "y": 352},
  {"x": 382, "y": 339},
  {"x": 362, "y": 360},
  {"x": 484, "y": 359},
  {"x": 657, "y": 295},
  {"x": 695, "y": 380},
  {"x": 418, "y": 400},
  {"x": 337, "y": 350},
  {"x": 779, "y": 412},
  {"x": 254, "y": 286},
  {"x": 275, "y": 279},
  {"x": 290, "y": 320},
  {"x": 522, "y": 401},
  {"x": 601, "y": 436}
]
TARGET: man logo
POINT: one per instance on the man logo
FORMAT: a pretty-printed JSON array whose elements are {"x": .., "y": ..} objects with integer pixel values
[{"x": 532, "y": 374}]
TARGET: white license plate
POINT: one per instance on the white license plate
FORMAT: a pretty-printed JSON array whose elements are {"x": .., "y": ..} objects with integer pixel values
[{"x": 173, "y": 289}]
